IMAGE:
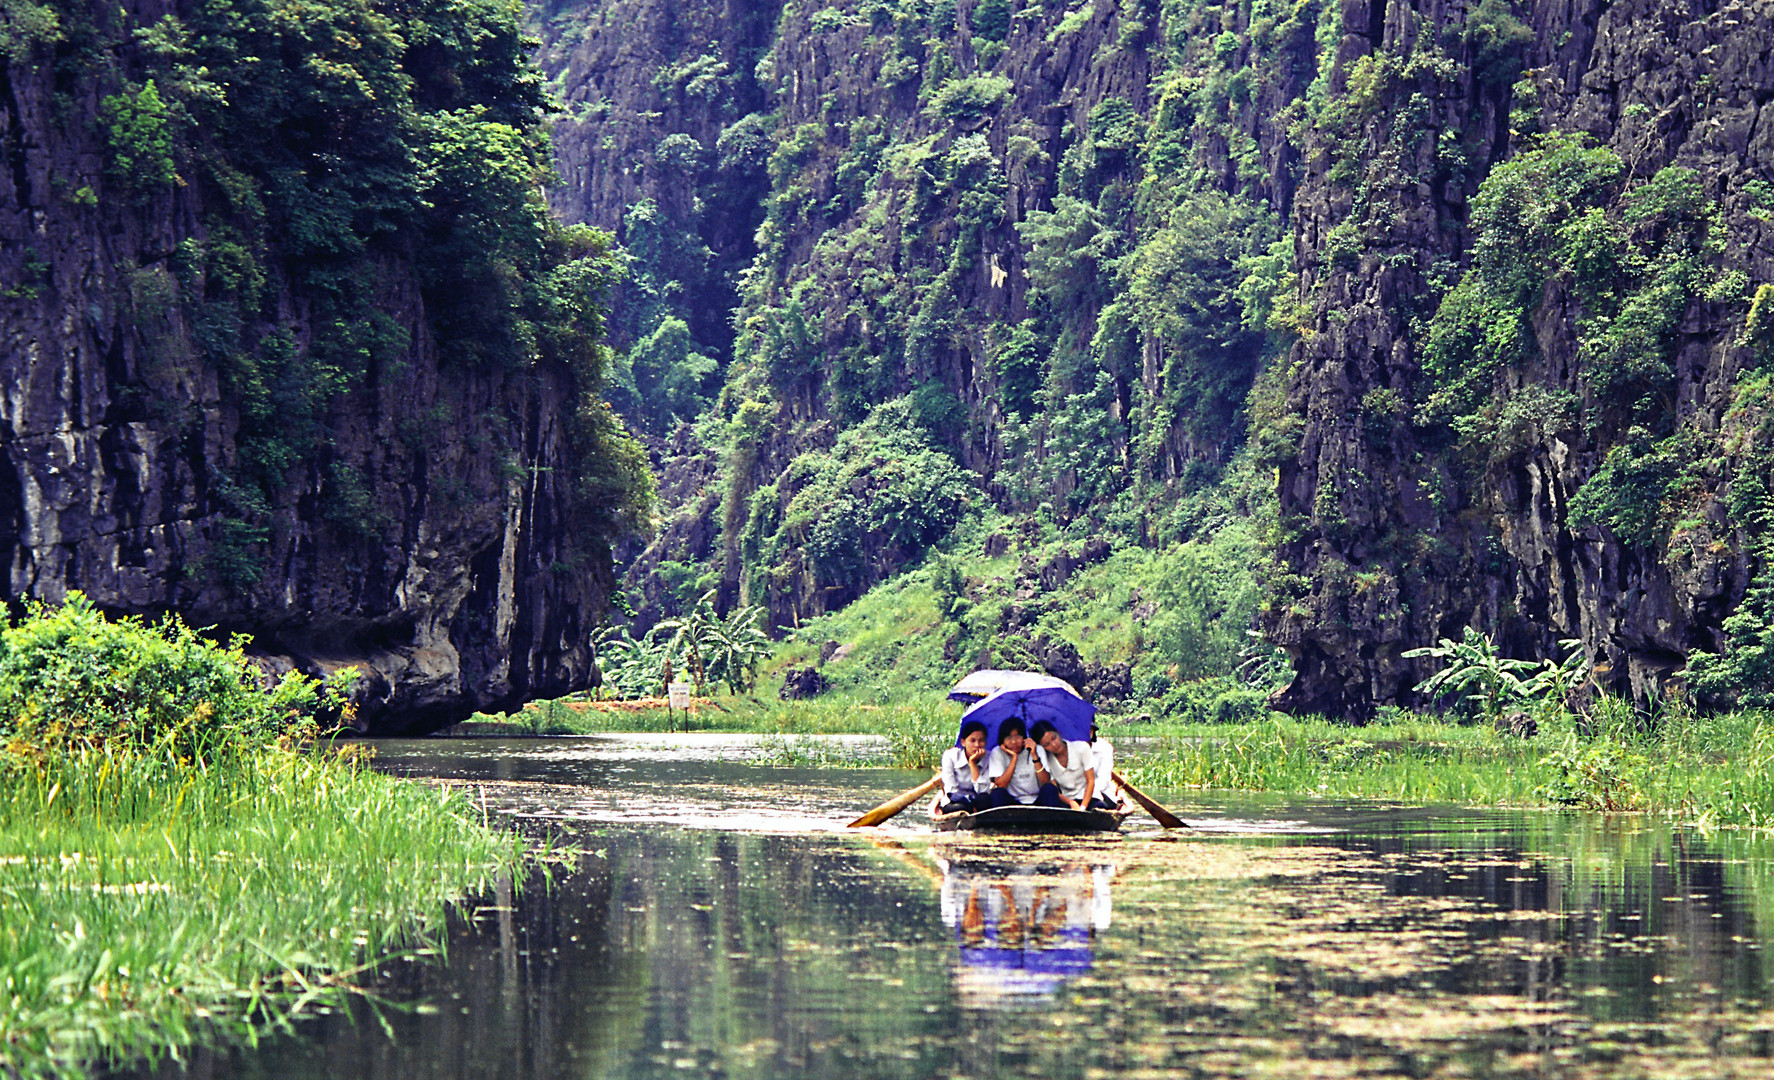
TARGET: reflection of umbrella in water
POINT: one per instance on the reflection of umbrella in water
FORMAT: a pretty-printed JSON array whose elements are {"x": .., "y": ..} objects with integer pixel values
[
  {"x": 996, "y": 976},
  {"x": 1059, "y": 705},
  {"x": 1027, "y": 934}
]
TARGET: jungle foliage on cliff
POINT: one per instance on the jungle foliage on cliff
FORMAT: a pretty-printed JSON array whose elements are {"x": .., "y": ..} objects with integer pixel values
[
  {"x": 311, "y": 165},
  {"x": 294, "y": 346},
  {"x": 1461, "y": 308}
]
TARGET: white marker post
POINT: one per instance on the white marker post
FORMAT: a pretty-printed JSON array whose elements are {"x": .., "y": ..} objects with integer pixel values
[{"x": 677, "y": 696}]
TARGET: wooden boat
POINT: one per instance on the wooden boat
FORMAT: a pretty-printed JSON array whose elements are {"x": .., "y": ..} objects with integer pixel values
[{"x": 1031, "y": 819}]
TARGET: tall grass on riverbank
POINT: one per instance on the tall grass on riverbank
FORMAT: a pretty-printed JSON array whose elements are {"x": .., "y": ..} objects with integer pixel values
[
  {"x": 169, "y": 869},
  {"x": 1430, "y": 763},
  {"x": 1715, "y": 770},
  {"x": 151, "y": 901}
]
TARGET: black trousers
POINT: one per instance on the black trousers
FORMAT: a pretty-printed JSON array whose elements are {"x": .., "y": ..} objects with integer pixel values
[{"x": 1047, "y": 796}]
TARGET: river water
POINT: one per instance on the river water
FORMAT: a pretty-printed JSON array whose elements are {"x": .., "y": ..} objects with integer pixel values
[{"x": 718, "y": 921}]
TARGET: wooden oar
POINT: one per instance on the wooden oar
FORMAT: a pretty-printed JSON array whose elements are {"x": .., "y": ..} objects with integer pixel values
[
  {"x": 1165, "y": 817},
  {"x": 896, "y": 804}
]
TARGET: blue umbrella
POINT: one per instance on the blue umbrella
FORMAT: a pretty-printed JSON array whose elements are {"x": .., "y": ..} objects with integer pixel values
[{"x": 1059, "y": 705}]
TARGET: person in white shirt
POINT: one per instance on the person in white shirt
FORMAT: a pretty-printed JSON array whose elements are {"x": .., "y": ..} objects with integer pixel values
[
  {"x": 1068, "y": 765},
  {"x": 1011, "y": 769},
  {"x": 1103, "y": 753},
  {"x": 961, "y": 775}
]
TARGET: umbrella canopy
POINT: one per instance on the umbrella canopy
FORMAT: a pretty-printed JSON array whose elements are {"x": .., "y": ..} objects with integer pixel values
[
  {"x": 986, "y": 682},
  {"x": 1059, "y": 705}
]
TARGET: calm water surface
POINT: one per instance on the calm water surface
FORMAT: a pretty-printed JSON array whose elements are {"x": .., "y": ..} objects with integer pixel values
[{"x": 720, "y": 923}]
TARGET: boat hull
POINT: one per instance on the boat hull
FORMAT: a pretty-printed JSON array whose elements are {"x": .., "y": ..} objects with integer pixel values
[{"x": 1034, "y": 819}]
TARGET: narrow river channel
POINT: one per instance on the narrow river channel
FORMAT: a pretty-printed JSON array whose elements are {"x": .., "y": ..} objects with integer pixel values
[{"x": 719, "y": 922}]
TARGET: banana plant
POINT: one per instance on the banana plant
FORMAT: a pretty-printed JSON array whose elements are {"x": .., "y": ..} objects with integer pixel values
[
  {"x": 1555, "y": 684},
  {"x": 699, "y": 642},
  {"x": 690, "y": 637},
  {"x": 631, "y": 667},
  {"x": 1473, "y": 662},
  {"x": 738, "y": 645}
]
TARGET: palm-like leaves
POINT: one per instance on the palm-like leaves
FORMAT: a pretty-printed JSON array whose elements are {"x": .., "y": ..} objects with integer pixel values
[
  {"x": 699, "y": 642},
  {"x": 736, "y": 647},
  {"x": 1495, "y": 680},
  {"x": 631, "y": 668}
]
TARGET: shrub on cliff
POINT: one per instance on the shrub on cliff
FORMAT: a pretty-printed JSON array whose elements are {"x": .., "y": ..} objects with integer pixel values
[
  {"x": 1631, "y": 260},
  {"x": 882, "y": 493},
  {"x": 991, "y": 19},
  {"x": 968, "y": 100},
  {"x": 70, "y": 676}
]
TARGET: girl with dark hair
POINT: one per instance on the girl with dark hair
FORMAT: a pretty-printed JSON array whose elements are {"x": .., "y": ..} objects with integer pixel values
[
  {"x": 1011, "y": 770},
  {"x": 1068, "y": 766},
  {"x": 962, "y": 780},
  {"x": 1102, "y": 752}
]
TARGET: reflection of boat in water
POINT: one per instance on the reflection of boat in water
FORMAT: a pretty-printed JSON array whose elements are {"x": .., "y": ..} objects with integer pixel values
[
  {"x": 1023, "y": 930},
  {"x": 1020, "y": 818}
]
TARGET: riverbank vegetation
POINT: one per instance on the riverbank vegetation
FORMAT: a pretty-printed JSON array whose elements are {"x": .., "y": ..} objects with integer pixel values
[
  {"x": 174, "y": 867},
  {"x": 1707, "y": 770},
  {"x": 1673, "y": 761},
  {"x": 1513, "y": 733}
]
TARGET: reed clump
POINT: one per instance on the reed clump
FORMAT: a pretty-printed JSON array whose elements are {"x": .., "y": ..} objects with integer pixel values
[
  {"x": 173, "y": 868},
  {"x": 1669, "y": 760}
]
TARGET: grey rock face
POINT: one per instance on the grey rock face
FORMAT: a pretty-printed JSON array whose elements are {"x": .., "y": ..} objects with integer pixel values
[
  {"x": 445, "y": 575},
  {"x": 1394, "y": 549}
]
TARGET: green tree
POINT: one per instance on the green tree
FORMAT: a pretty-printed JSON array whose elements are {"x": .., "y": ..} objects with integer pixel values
[
  {"x": 24, "y": 26},
  {"x": 138, "y": 131},
  {"x": 990, "y": 20},
  {"x": 674, "y": 381}
]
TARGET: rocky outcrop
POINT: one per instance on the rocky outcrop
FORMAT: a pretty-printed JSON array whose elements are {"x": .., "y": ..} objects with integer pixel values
[
  {"x": 1396, "y": 543},
  {"x": 1102, "y": 683},
  {"x": 430, "y": 541},
  {"x": 799, "y": 684}
]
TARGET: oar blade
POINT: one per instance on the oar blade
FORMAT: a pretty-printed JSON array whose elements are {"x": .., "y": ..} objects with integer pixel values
[
  {"x": 1165, "y": 817},
  {"x": 896, "y": 804}
]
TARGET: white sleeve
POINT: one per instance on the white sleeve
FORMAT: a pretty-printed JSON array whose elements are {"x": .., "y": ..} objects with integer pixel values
[
  {"x": 951, "y": 779},
  {"x": 984, "y": 781},
  {"x": 1086, "y": 759}
]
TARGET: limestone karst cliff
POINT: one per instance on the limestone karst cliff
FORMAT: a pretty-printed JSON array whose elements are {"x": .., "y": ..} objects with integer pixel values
[
  {"x": 288, "y": 347},
  {"x": 1472, "y": 287},
  {"x": 1607, "y": 486},
  {"x": 1461, "y": 311}
]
